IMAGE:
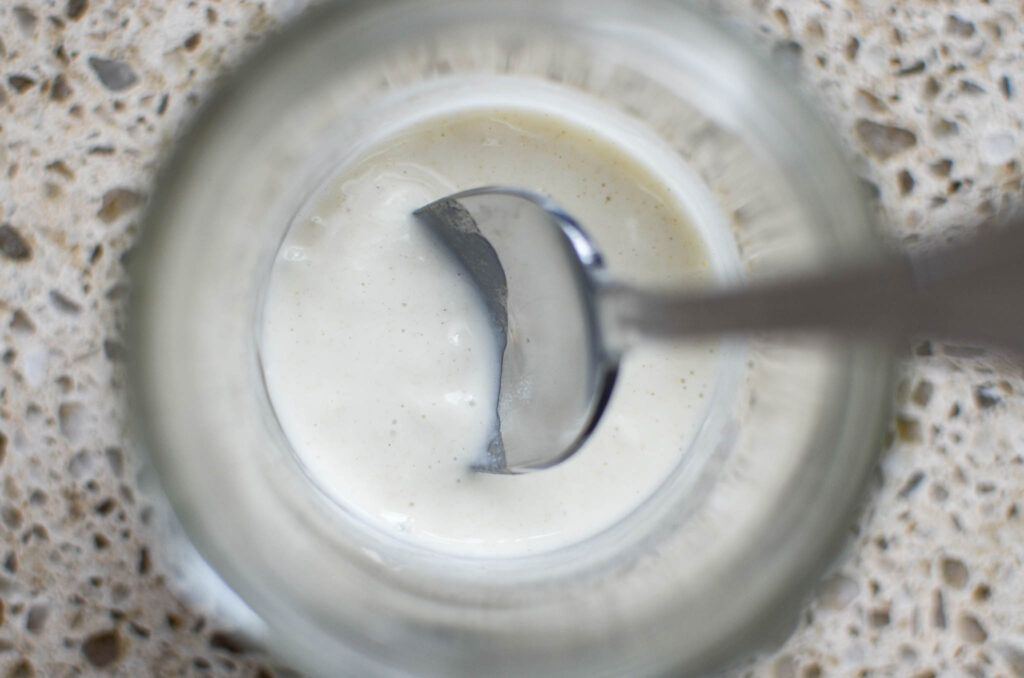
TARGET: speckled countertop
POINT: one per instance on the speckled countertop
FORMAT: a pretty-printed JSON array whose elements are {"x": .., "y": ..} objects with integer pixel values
[{"x": 928, "y": 95}]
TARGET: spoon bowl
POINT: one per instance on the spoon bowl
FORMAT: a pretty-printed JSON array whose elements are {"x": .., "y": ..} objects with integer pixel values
[{"x": 538, "y": 273}]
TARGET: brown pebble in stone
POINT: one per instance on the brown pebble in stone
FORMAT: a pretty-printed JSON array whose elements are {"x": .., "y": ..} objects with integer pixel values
[
  {"x": 931, "y": 88},
  {"x": 884, "y": 141},
  {"x": 945, "y": 128},
  {"x": 175, "y": 621},
  {"x": 971, "y": 88},
  {"x": 922, "y": 393},
  {"x": 138, "y": 630},
  {"x": 192, "y": 41},
  {"x": 871, "y": 101},
  {"x": 106, "y": 506},
  {"x": 812, "y": 671},
  {"x": 63, "y": 303},
  {"x": 114, "y": 75},
  {"x": 70, "y": 417},
  {"x": 26, "y": 18},
  {"x": 995, "y": 31},
  {"x": 3, "y": 447},
  {"x": 905, "y": 181},
  {"x": 229, "y": 642},
  {"x": 60, "y": 91},
  {"x": 119, "y": 592},
  {"x": 954, "y": 572},
  {"x": 879, "y": 618},
  {"x": 942, "y": 168},
  {"x": 982, "y": 592},
  {"x": 118, "y": 201},
  {"x": 23, "y": 669},
  {"x": 75, "y": 9},
  {"x": 959, "y": 27},
  {"x": 12, "y": 244},
  {"x": 912, "y": 69},
  {"x": 852, "y": 47},
  {"x": 61, "y": 168},
  {"x": 913, "y": 482},
  {"x": 985, "y": 396},
  {"x": 970, "y": 629},
  {"x": 35, "y": 620},
  {"x": 20, "y": 83},
  {"x": 11, "y": 517},
  {"x": 104, "y": 648},
  {"x": 21, "y": 323},
  {"x": 908, "y": 429}
]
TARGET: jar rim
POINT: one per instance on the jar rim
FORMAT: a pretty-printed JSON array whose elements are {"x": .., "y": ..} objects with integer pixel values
[{"x": 159, "y": 310}]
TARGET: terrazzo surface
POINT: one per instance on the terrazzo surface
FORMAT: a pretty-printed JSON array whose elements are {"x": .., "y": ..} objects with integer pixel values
[{"x": 927, "y": 95}]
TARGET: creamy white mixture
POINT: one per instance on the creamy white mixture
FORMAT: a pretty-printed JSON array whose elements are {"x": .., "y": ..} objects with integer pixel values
[{"x": 381, "y": 366}]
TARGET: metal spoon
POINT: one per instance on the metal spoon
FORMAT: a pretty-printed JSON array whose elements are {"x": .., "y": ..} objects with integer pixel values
[{"x": 562, "y": 323}]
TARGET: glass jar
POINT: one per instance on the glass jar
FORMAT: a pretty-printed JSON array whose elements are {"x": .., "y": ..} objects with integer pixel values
[{"x": 709, "y": 565}]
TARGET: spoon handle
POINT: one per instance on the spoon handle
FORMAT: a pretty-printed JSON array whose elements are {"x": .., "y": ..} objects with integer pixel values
[{"x": 973, "y": 291}]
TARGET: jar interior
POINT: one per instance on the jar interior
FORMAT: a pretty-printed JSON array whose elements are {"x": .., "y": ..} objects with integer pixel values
[{"x": 401, "y": 111}]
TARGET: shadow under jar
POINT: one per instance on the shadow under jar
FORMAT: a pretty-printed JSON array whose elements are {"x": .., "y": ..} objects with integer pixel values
[{"x": 704, "y": 568}]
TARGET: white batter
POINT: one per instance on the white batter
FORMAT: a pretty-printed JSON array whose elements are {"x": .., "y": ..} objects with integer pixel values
[{"x": 381, "y": 366}]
